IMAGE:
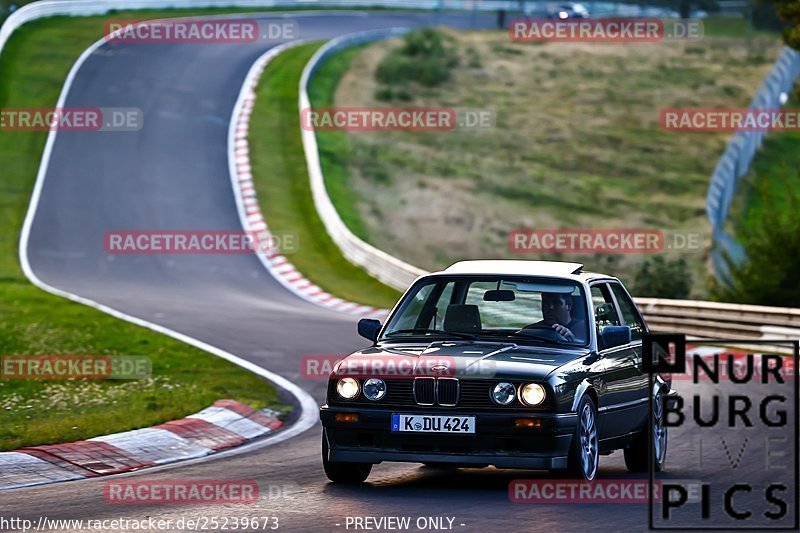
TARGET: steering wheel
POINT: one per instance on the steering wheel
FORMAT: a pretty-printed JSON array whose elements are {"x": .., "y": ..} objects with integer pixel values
[{"x": 542, "y": 330}]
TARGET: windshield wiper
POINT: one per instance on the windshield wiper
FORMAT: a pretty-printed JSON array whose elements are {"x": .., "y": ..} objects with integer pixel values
[{"x": 460, "y": 335}]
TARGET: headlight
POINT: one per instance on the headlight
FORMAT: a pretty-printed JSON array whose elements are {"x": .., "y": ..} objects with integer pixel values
[
  {"x": 503, "y": 393},
  {"x": 532, "y": 394},
  {"x": 347, "y": 388},
  {"x": 374, "y": 389}
]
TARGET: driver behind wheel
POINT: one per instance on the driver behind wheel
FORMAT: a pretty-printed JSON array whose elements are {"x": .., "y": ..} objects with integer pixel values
[{"x": 557, "y": 313}]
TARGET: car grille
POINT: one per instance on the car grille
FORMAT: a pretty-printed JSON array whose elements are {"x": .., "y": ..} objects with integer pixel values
[
  {"x": 447, "y": 392},
  {"x": 456, "y": 394},
  {"x": 425, "y": 391}
]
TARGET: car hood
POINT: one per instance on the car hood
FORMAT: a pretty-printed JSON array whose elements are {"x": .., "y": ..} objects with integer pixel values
[{"x": 464, "y": 359}]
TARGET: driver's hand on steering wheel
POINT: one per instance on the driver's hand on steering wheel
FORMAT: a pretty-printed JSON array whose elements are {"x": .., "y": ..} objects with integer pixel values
[{"x": 564, "y": 332}]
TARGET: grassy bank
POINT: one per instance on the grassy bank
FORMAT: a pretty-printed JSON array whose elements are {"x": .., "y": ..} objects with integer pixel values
[
  {"x": 577, "y": 144},
  {"x": 281, "y": 178},
  {"x": 33, "y": 67}
]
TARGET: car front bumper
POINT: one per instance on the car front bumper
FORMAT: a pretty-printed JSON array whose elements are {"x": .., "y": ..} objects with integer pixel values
[{"x": 496, "y": 441}]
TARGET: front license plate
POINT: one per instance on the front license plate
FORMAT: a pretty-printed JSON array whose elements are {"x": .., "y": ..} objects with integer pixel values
[{"x": 433, "y": 424}]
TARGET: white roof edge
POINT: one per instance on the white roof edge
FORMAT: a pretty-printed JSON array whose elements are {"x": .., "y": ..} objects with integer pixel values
[{"x": 514, "y": 267}]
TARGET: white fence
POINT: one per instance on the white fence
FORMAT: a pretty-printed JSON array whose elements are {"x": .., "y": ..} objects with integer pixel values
[{"x": 379, "y": 264}]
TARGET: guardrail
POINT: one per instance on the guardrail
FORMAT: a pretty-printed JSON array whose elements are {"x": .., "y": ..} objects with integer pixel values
[
  {"x": 721, "y": 320},
  {"x": 737, "y": 158},
  {"x": 379, "y": 264}
]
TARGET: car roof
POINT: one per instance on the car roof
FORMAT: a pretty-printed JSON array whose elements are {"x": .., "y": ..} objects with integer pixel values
[{"x": 515, "y": 267}]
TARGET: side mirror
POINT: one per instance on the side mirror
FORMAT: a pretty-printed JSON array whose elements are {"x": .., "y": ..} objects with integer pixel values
[
  {"x": 611, "y": 336},
  {"x": 369, "y": 328}
]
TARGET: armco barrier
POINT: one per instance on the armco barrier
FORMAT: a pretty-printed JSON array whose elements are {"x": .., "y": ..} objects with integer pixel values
[
  {"x": 388, "y": 269},
  {"x": 737, "y": 158},
  {"x": 721, "y": 320}
]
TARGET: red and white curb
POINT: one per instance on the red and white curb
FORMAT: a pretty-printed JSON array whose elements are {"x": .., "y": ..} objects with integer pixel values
[
  {"x": 224, "y": 425},
  {"x": 249, "y": 211}
]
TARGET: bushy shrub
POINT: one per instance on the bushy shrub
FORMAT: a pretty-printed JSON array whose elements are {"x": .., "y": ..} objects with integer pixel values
[
  {"x": 663, "y": 278},
  {"x": 789, "y": 12},
  {"x": 425, "y": 58},
  {"x": 772, "y": 244}
]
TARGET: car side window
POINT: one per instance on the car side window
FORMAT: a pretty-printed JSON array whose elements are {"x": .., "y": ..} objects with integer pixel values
[
  {"x": 628, "y": 311},
  {"x": 603, "y": 307}
]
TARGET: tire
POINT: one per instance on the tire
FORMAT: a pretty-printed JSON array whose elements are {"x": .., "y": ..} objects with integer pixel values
[
  {"x": 583, "y": 458},
  {"x": 652, "y": 442},
  {"x": 345, "y": 473}
]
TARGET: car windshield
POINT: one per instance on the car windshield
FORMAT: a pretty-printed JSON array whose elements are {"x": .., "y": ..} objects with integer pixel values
[{"x": 517, "y": 309}]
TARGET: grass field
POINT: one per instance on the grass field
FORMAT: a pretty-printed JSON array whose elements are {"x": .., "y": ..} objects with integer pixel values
[
  {"x": 577, "y": 144},
  {"x": 32, "y": 69},
  {"x": 775, "y": 171},
  {"x": 281, "y": 178}
]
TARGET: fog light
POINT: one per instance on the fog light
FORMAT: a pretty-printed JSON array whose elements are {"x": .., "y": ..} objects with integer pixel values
[
  {"x": 527, "y": 423},
  {"x": 346, "y": 417}
]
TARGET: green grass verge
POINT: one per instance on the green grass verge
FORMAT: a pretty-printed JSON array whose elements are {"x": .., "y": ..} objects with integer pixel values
[
  {"x": 281, "y": 179},
  {"x": 727, "y": 26},
  {"x": 335, "y": 148},
  {"x": 34, "y": 65}
]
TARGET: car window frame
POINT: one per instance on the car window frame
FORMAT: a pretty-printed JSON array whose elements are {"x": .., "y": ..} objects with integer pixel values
[
  {"x": 615, "y": 306},
  {"x": 621, "y": 316}
]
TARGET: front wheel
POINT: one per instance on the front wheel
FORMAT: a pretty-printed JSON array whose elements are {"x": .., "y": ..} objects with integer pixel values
[
  {"x": 338, "y": 472},
  {"x": 584, "y": 451},
  {"x": 650, "y": 443}
]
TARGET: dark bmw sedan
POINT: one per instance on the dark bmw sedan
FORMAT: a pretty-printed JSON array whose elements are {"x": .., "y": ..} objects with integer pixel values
[{"x": 516, "y": 364}]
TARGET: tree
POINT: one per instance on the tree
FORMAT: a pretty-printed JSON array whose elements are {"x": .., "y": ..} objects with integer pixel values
[
  {"x": 769, "y": 274},
  {"x": 789, "y": 11},
  {"x": 663, "y": 278}
]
